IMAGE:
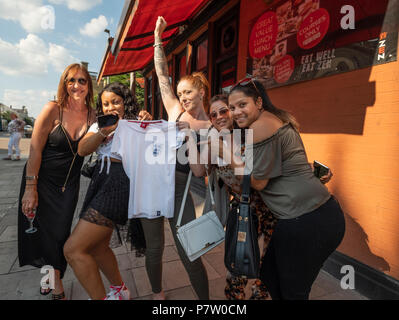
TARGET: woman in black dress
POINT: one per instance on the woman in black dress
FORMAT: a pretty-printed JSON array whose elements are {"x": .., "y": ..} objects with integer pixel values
[{"x": 51, "y": 177}]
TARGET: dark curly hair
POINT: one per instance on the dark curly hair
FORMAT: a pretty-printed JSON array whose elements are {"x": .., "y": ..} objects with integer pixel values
[
  {"x": 129, "y": 101},
  {"x": 255, "y": 89}
]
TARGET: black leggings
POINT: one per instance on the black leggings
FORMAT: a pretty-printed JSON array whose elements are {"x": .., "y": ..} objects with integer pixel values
[{"x": 298, "y": 249}]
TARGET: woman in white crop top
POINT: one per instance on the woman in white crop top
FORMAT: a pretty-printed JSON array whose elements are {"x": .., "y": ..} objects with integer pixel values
[{"x": 106, "y": 203}]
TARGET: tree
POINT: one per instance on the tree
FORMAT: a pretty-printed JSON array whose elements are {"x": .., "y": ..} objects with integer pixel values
[
  {"x": 6, "y": 115},
  {"x": 125, "y": 79},
  {"x": 28, "y": 121}
]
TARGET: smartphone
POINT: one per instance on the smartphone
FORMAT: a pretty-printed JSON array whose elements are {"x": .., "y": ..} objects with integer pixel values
[
  {"x": 107, "y": 120},
  {"x": 320, "y": 169}
]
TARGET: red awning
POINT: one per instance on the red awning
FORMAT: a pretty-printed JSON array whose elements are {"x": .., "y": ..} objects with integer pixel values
[{"x": 135, "y": 36}]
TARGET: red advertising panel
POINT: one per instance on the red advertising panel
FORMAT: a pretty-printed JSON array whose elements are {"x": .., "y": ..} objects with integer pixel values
[{"x": 297, "y": 40}]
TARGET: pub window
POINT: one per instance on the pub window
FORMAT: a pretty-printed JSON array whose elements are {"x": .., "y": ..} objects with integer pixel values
[
  {"x": 226, "y": 75},
  {"x": 200, "y": 52},
  {"x": 225, "y": 64},
  {"x": 181, "y": 65},
  {"x": 149, "y": 94}
]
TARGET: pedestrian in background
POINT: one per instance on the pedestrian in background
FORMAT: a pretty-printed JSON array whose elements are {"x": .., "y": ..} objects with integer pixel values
[{"x": 16, "y": 130}]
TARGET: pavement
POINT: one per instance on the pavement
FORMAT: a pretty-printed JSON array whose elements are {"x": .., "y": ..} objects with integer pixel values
[{"x": 18, "y": 283}]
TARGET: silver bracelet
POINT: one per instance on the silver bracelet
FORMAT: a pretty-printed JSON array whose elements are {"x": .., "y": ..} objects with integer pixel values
[
  {"x": 102, "y": 134},
  {"x": 159, "y": 44},
  {"x": 31, "y": 177}
]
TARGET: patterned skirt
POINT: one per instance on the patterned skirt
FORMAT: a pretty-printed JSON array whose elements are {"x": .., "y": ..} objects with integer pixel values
[
  {"x": 108, "y": 194},
  {"x": 107, "y": 203}
]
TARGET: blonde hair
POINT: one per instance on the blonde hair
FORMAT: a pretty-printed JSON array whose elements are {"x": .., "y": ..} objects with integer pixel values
[
  {"x": 62, "y": 93},
  {"x": 199, "y": 81}
]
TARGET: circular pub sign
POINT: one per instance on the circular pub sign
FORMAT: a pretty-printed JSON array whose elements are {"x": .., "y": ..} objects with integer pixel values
[
  {"x": 313, "y": 29},
  {"x": 263, "y": 35},
  {"x": 284, "y": 69}
]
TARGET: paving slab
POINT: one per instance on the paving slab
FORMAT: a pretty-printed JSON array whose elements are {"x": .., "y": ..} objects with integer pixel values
[
  {"x": 9, "y": 234},
  {"x": 8, "y": 255},
  {"x": 22, "y": 283}
]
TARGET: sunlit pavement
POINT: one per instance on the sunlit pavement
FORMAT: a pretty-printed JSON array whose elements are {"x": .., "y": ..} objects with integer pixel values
[{"x": 23, "y": 283}]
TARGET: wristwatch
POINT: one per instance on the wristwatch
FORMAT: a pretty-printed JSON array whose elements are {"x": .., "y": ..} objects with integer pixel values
[{"x": 31, "y": 177}]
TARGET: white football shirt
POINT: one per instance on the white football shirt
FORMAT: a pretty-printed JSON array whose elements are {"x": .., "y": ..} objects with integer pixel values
[{"x": 148, "y": 152}]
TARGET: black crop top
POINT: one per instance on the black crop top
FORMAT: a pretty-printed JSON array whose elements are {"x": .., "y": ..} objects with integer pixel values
[{"x": 185, "y": 167}]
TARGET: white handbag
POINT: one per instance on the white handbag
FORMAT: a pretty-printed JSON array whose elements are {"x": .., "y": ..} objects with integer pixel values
[{"x": 202, "y": 234}]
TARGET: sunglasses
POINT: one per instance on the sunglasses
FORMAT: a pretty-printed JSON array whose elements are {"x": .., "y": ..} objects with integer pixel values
[
  {"x": 214, "y": 114},
  {"x": 71, "y": 81},
  {"x": 244, "y": 82}
]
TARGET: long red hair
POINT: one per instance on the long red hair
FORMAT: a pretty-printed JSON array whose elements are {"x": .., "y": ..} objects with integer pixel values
[{"x": 199, "y": 81}]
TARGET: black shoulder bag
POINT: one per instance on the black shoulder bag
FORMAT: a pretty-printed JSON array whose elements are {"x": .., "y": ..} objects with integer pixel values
[
  {"x": 89, "y": 166},
  {"x": 242, "y": 256}
]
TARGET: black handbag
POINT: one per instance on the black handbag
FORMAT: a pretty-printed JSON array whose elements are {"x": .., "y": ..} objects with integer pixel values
[
  {"x": 89, "y": 166},
  {"x": 242, "y": 255}
]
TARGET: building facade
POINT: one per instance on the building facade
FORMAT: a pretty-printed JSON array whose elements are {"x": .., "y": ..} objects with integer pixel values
[{"x": 333, "y": 65}]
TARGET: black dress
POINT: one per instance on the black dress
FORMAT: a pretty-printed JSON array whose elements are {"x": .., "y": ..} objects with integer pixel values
[{"x": 56, "y": 207}]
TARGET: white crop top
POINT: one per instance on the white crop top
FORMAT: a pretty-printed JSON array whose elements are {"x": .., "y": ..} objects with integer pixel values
[{"x": 104, "y": 150}]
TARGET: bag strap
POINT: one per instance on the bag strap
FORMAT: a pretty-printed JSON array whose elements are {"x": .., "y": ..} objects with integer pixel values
[
  {"x": 243, "y": 221},
  {"x": 246, "y": 187},
  {"x": 210, "y": 191},
  {"x": 183, "y": 203}
]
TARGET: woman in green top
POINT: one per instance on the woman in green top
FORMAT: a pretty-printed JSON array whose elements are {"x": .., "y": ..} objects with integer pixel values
[{"x": 310, "y": 223}]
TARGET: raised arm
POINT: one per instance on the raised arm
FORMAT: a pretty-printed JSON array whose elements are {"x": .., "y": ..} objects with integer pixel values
[
  {"x": 170, "y": 101},
  {"x": 92, "y": 140}
]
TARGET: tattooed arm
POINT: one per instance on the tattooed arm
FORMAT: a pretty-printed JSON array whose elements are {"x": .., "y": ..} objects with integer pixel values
[{"x": 170, "y": 101}]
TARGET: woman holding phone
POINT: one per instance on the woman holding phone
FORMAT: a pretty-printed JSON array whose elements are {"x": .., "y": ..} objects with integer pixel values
[
  {"x": 106, "y": 203},
  {"x": 222, "y": 180},
  {"x": 310, "y": 222}
]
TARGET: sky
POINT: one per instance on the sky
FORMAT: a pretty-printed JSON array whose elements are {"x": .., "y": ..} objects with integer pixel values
[{"x": 40, "y": 38}]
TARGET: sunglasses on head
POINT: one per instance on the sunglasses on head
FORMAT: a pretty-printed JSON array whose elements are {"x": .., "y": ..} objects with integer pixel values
[
  {"x": 244, "y": 82},
  {"x": 81, "y": 81},
  {"x": 214, "y": 114}
]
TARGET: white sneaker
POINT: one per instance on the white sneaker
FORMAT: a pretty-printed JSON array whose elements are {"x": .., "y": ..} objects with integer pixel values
[{"x": 118, "y": 293}]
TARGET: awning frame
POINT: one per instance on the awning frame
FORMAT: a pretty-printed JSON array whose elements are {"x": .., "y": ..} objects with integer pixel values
[
  {"x": 212, "y": 8},
  {"x": 128, "y": 13}
]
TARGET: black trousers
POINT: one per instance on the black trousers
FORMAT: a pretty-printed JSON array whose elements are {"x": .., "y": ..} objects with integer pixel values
[{"x": 298, "y": 248}]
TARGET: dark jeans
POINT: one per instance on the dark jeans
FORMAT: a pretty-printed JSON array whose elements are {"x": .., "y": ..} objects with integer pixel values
[{"x": 298, "y": 249}]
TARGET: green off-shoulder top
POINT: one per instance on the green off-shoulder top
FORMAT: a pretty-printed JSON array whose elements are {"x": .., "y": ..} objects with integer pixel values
[{"x": 293, "y": 189}]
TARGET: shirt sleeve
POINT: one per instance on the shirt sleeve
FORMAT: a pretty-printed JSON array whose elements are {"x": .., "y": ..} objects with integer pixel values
[
  {"x": 117, "y": 142},
  {"x": 93, "y": 128},
  {"x": 263, "y": 160}
]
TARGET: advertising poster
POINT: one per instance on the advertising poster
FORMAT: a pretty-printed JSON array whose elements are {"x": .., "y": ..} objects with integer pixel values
[{"x": 298, "y": 40}]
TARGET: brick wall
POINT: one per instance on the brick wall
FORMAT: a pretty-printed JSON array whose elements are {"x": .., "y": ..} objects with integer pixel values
[{"x": 350, "y": 122}]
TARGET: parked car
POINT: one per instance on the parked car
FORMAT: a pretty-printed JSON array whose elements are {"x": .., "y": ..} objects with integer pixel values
[{"x": 28, "y": 131}]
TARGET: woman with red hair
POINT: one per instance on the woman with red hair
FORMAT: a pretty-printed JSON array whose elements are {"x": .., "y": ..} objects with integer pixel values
[{"x": 188, "y": 110}]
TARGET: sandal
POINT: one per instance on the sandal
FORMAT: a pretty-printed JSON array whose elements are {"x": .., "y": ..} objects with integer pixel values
[
  {"x": 58, "y": 296},
  {"x": 45, "y": 292}
]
